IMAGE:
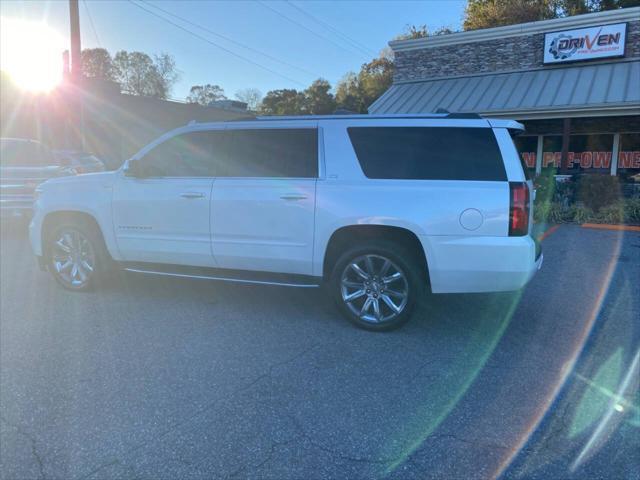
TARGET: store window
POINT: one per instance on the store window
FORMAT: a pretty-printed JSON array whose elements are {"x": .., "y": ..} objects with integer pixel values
[
  {"x": 590, "y": 154},
  {"x": 551, "y": 153},
  {"x": 629, "y": 157},
  {"x": 527, "y": 147},
  {"x": 587, "y": 154}
]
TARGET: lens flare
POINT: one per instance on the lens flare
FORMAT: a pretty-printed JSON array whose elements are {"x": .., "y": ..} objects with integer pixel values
[{"x": 31, "y": 53}]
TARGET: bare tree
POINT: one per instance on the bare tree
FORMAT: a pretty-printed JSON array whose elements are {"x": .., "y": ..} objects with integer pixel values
[{"x": 251, "y": 96}]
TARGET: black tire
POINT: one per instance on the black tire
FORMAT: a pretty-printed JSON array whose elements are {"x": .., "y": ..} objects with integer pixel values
[
  {"x": 89, "y": 233},
  {"x": 343, "y": 276}
]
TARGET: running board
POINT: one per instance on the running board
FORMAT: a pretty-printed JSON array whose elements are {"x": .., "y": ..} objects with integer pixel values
[{"x": 298, "y": 281}]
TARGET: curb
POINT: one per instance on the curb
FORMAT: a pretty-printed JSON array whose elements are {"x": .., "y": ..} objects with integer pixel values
[
  {"x": 606, "y": 226},
  {"x": 548, "y": 232}
]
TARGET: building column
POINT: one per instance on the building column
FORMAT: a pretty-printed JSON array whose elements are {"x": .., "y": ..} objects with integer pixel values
[
  {"x": 614, "y": 154},
  {"x": 539, "y": 152},
  {"x": 566, "y": 131}
]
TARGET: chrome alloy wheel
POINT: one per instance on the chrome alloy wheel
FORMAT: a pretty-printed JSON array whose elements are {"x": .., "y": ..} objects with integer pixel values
[
  {"x": 73, "y": 257},
  {"x": 374, "y": 288}
]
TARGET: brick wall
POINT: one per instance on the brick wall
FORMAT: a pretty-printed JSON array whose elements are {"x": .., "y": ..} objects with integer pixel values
[{"x": 513, "y": 53}]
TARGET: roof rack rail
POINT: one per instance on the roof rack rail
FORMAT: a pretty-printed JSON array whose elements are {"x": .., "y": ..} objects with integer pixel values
[
  {"x": 464, "y": 116},
  {"x": 438, "y": 114}
]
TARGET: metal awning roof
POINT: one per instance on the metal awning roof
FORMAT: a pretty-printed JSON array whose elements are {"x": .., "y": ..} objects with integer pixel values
[{"x": 585, "y": 90}]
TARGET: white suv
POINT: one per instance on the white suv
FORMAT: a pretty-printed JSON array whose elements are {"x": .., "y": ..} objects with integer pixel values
[{"x": 376, "y": 208}]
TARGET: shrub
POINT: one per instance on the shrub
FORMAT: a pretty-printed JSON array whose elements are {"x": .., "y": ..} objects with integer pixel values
[
  {"x": 611, "y": 214},
  {"x": 598, "y": 191},
  {"x": 631, "y": 210},
  {"x": 545, "y": 185},
  {"x": 583, "y": 215},
  {"x": 623, "y": 211}
]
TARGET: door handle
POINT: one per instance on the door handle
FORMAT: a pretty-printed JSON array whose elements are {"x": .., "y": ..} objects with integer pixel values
[
  {"x": 293, "y": 196},
  {"x": 192, "y": 195}
]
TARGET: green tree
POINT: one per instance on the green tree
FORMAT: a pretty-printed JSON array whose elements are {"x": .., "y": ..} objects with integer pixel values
[
  {"x": 348, "y": 95},
  {"x": 412, "y": 32},
  {"x": 97, "y": 63},
  {"x": 496, "y": 13},
  {"x": 318, "y": 99},
  {"x": 357, "y": 92},
  {"x": 374, "y": 79},
  {"x": 205, "y": 94},
  {"x": 139, "y": 74},
  {"x": 287, "y": 101}
]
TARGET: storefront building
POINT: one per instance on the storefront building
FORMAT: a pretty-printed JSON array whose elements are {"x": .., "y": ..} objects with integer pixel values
[{"x": 573, "y": 82}]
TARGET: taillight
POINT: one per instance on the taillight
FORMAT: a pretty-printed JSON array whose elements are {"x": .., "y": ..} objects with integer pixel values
[{"x": 518, "y": 209}]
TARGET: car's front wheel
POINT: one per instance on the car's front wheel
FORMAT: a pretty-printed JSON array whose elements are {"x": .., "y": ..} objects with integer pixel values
[
  {"x": 73, "y": 255},
  {"x": 376, "y": 286}
]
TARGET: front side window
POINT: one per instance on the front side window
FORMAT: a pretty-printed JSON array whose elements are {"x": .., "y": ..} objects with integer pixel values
[
  {"x": 428, "y": 153},
  {"x": 186, "y": 155},
  {"x": 291, "y": 153}
]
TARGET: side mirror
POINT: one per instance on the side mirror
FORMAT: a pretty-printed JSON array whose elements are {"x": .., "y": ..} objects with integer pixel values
[{"x": 134, "y": 169}]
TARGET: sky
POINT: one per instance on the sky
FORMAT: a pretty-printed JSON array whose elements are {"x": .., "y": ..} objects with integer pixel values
[{"x": 302, "y": 40}]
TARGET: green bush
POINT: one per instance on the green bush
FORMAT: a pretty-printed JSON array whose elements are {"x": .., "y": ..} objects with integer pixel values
[
  {"x": 610, "y": 214},
  {"x": 583, "y": 215},
  {"x": 545, "y": 185},
  {"x": 598, "y": 191},
  {"x": 623, "y": 211},
  {"x": 631, "y": 210}
]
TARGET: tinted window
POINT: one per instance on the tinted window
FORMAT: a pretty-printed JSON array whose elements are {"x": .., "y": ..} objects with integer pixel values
[
  {"x": 428, "y": 153},
  {"x": 271, "y": 153},
  {"x": 187, "y": 155},
  {"x": 24, "y": 154}
]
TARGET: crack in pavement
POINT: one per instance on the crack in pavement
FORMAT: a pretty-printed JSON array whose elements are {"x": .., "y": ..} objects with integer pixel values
[
  {"x": 335, "y": 453},
  {"x": 272, "y": 449},
  {"x": 203, "y": 410},
  {"x": 32, "y": 441}
]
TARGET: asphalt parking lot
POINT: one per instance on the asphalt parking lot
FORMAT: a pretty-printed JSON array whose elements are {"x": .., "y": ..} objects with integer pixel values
[{"x": 155, "y": 378}]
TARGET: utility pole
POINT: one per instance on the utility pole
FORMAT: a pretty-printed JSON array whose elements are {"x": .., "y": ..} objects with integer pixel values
[
  {"x": 74, "y": 22},
  {"x": 75, "y": 92}
]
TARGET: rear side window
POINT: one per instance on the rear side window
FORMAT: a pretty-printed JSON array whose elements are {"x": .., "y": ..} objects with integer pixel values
[
  {"x": 271, "y": 153},
  {"x": 428, "y": 153}
]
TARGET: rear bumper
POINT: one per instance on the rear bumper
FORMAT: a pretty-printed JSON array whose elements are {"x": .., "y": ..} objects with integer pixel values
[{"x": 466, "y": 264}]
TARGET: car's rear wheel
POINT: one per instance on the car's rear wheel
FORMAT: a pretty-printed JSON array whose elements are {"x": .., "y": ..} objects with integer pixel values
[
  {"x": 74, "y": 256},
  {"x": 376, "y": 286}
]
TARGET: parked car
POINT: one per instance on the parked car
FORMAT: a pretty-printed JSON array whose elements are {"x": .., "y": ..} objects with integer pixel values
[
  {"x": 379, "y": 209},
  {"x": 81, "y": 162},
  {"x": 24, "y": 164}
]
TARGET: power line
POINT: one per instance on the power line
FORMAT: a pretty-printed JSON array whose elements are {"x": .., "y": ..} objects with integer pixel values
[
  {"x": 190, "y": 32},
  {"x": 289, "y": 19},
  {"x": 93, "y": 27},
  {"x": 334, "y": 30},
  {"x": 271, "y": 57}
]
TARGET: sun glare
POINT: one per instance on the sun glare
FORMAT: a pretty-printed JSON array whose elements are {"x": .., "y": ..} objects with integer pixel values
[{"x": 31, "y": 53}]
